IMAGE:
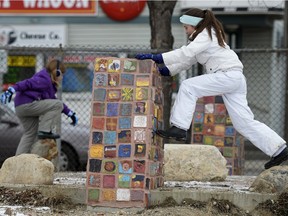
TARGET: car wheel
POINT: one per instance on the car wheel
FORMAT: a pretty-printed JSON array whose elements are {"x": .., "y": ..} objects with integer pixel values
[{"x": 68, "y": 160}]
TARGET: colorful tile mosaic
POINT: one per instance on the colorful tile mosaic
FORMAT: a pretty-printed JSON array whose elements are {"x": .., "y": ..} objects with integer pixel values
[
  {"x": 125, "y": 154},
  {"x": 212, "y": 126}
]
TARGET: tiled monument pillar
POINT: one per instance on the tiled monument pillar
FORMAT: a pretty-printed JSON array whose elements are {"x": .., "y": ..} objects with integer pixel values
[
  {"x": 212, "y": 126},
  {"x": 125, "y": 156}
]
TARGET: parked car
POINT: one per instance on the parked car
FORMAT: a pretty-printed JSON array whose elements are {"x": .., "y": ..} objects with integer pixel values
[{"x": 74, "y": 141}]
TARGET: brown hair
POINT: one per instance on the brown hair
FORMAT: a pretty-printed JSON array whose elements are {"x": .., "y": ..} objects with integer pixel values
[
  {"x": 209, "y": 21},
  {"x": 52, "y": 69}
]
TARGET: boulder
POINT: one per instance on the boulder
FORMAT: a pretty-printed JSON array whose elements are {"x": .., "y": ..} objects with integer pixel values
[
  {"x": 273, "y": 180},
  {"x": 27, "y": 169},
  {"x": 186, "y": 162}
]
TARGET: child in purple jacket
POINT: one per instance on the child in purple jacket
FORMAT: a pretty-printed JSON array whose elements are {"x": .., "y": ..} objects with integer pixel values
[{"x": 36, "y": 105}]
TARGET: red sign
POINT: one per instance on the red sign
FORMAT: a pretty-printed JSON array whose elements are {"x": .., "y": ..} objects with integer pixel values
[
  {"x": 122, "y": 10},
  {"x": 57, "y": 7}
]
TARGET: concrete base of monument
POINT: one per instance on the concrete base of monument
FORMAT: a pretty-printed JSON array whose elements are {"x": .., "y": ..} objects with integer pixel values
[{"x": 234, "y": 189}]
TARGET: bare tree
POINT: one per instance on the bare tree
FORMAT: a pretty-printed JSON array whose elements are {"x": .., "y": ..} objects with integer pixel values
[{"x": 162, "y": 40}]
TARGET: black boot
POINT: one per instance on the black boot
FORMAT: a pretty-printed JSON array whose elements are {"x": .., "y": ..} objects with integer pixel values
[
  {"x": 277, "y": 160},
  {"x": 173, "y": 132},
  {"x": 47, "y": 135}
]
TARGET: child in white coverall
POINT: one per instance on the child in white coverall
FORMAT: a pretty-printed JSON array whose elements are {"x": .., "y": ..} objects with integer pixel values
[{"x": 224, "y": 76}]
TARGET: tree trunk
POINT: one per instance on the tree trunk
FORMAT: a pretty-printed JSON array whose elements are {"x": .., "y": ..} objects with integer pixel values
[{"x": 162, "y": 39}]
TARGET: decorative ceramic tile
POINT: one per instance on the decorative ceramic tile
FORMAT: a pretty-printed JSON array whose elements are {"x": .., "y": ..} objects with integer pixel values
[
  {"x": 142, "y": 80},
  {"x": 137, "y": 195},
  {"x": 230, "y": 131},
  {"x": 220, "y": 109},
  {"x": 219, "y": 142},
  {"x": 94, "y": 180},
  {"x": 140, "y": 107},
  {"x": 99, "y": 94},
  {"x": 123, "y": 195},
  {"x": 111, "y": 124},
  {"x": 156, "y": 80},
  {"x": 93, "y": 195},
  {"x": 209, "y": 100},
  {"x": 124, "y": 151},
  {"x": 228, "y": 152},
  {"x": 219, "y": 130},
  {"x": 197, "y": 127},
  {"x": 138, "y": 181},
  {"x": 124, "y": 123},
  {"x": 113, "y": 95},
  {"x": 154, "y": 168},
  {"x": 110, "y": 137},
  {"x": 140, "y": 121},
  {"x": 108, "y": 181},
  {"x": 208, "y": 119},
  {"x": 220, "y": 119},
  {"x": 97, "y": 137},
  {"x": 228, "y": 121},
  {"x": 108, "y": 195},
  {"x": 209, "y": 108},
  {"x": 109, "y": 166},
  {"x": 96, "y": 151},
  {"x": 228, "y": 141},
  {"x": 101, "y": 65},
  {"x": 219, "y": 99},
  {"x": 145, "y": 66},
  {"x": 153, "y": 153},
  {"x": 113, "y": 80},
  {"x": 140, "y": 150},
  {"x": 198, "y": 138},
  {"x": 114, "y": 65},
  {"x": 100, "y": 80},
  {"x": 130, "y": 66},
  {"x": 124, "y": 181},
  {"x": 147, "y": 183},
  {"x": 95, "y": 165},
  {"x": 98, "y": 109},
  {"x": 124, "y": 136},
  {"x": 199, "y": 107},
  {"x": 141, "y": 94},
  {"x": 110, "y": 151},
  {"x": 208, "y": 129},
  {"x": 125, "y": 167},
  {"x": 126, "y": 109},
  {"x": 127, "y": 94},
  {"x": 127, "y": 79},
  {"x": 199, "y": 117},
  {"x": 112, "y": 109},
  {"x": 98, "y": 123},
  {"x": 158, "y": 96},
  {"x": 139, "y": 135},
  {"x": 208, "y": 140},
  {"x": 139, "y": 166}
]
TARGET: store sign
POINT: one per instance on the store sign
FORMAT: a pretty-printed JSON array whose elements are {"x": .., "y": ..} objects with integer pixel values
[
  {"x": 48, "y": 7},
  {"x": 255, "y": 4},
  {"x": 21, "y": 61},
  {"x": 33, "y": 35},
  {"x": 122, "y": 10}
]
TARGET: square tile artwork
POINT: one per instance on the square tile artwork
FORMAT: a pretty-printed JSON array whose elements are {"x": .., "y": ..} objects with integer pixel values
[
  {"x": 125, "y": 159},
  {"x": 212, "y": 126}
]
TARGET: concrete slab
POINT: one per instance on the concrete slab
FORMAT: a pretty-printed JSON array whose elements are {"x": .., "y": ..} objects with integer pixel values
[{"x": 234, "y": 189}]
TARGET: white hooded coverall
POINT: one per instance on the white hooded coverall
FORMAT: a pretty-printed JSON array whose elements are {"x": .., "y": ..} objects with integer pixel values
[{"x": 224, "y": 76}]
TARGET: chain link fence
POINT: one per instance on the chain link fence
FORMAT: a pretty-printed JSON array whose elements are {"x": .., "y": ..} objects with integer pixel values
[{"x": 265, "y": 70}]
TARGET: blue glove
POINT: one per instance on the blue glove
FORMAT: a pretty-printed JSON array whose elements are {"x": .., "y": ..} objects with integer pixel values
[
  {"x": 156, "y": 58},
  {"x": 164, "y": 71},
  {"x": 74, "y": 118},
  {"x": 7, "y": 95}
]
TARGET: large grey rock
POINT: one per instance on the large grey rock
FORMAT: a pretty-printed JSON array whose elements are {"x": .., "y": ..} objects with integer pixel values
[
  {"x": 193, "y": 163},
  {"x": 273, "y": 180},
  {"x": 27, "y": 169}
]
